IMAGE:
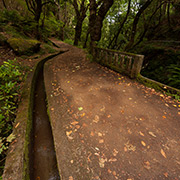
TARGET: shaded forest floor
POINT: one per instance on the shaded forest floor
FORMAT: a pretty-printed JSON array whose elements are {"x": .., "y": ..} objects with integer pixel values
[{"x": 107, "y": 126}]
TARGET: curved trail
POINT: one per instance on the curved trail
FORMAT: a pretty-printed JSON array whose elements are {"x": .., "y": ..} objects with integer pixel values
[{"x": 106, "y": 126}]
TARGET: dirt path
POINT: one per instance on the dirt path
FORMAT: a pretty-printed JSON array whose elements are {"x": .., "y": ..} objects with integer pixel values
[{"x": 107, "y": 126}]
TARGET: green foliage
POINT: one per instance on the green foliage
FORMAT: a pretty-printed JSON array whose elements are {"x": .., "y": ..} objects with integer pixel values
[
  {"x": 69, "y": 41},
  {"x": 24, "y": 46},
  {"x": 11, "y": 76},
  {"x": 174, "y": 77}
]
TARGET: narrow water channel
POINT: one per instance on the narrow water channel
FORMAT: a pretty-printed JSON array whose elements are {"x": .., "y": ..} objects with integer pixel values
[{"x": 44, "y": 156}]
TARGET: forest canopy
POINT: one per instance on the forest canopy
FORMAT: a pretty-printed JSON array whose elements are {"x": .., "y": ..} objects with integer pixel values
[{"x": 149, "y": 27}]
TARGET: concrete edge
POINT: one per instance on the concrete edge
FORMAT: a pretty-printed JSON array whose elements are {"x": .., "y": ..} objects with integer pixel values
[
  {"x": 158, "y": 86},
  {"x": 17, "y": 165}
]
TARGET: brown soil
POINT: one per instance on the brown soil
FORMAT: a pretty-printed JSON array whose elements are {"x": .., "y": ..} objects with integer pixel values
[{"x": 107, "y": 126}]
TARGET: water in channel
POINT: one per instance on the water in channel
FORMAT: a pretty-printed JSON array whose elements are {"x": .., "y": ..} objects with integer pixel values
[{"x": 44, "y": 156}]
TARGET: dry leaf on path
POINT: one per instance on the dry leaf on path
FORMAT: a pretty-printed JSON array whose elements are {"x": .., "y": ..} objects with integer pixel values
[
  {"x": 74, "y": 123},
  {"x": 102, "y": 161},
  {"x": 112, "y": 160},
  {"x": 115, "y": 152},
  {"x": 152, "y": 134},
  {"x": 92, "y": 133},
  {"x": 163, "y": 153},
  {"x": 96, "y": 119},
  {"x": 166, "y": 174},
  {"x": 147, "y": 165},
  {"x": 141, "y": 133},
  {"x": 143, "y": 143},
  {"x": 101, "y": 141},
  {"x": 70, "y": 178},
  {"x": 80, "y": 108}
]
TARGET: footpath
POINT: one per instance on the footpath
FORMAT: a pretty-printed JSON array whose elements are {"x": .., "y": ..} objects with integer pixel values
[{"x": 107, "y": 126}]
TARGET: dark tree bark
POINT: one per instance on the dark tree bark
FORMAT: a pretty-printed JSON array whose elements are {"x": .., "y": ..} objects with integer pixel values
[
  {"x": 97, "y": 15},
  {"x": 4, "y": 4},
  {"x": 85, "y": 42},
  {"x": 115, "y": 38},
  {"x": 80, "y": 16},
  {"x": 146, "y": 26},
  {"x": 135, "y": 22},
  {"x": 35, "y": 7}
]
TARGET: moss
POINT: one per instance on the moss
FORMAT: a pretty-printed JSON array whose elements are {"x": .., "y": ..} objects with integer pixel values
[
  {"x": 158, "y": 86},
  {"x": 29, "y": 128},
  {"x": 24, "y": 46}
]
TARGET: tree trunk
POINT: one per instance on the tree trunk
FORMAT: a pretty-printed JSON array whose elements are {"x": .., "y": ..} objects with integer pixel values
[
  {"x": 80, "y": 16},
  {"x": 96, "y": 18},
  {"x": 4, "y": 4},
  {"x": 115, "y": 38},
  {"x": 78, "y": 31},
  {"x": 85, "y": 42},
  {"x": 135, "y": 22}
]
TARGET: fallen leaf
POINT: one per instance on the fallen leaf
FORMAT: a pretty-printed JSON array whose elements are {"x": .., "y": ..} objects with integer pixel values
[
  {"x": 147, "y": 165},
  {"x": 141, "y": 133},
  {"x": 70, "y": 178},
  {"x": 92, "y": 133},
  {"x": 101, "y": 141},
  {"x": 164, "y": 117},
  {"x": 115, "y": 152},
  {"x": 109, "y": 116},
  {"x": 17, "y": 125},
  {"x": 102, "y": 161},
  {"x": 80, "y": 108},
  {"x": 52, "y": 109},
  {"x": 129, "y": 147},
  {"x": 84, "y": 125},
  {"x": 102, "y": 109},
  {"x": 114, "y": 173},
  {"x": 175, "y": 105},
  {"x": 112, "y": 160},
  {"x": 125, "y": 149},
  {"x": 179, "y": 113},
  {"x": 74, "y": 123},
  {"x": 166, "y": 174},
  {"x": 68, "y": 133},
  {"x": 129, "y": 131},
  {"x": 167, "y": 105},
  {"x": 152, "y": 134},
  {"x": 109, "y": 171},
  {"x": 143, "y": 143},
  {"x": 163, "y": 153},
  {"x": 96, "y": 119},
  {"x": 100, "y": 134},
  {"x": 77, "y": 126},
  {"x": 82, "y": 115}
]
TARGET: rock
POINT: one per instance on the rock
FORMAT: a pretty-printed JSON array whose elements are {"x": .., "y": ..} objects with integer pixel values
[{"x": 24, "y": 46}]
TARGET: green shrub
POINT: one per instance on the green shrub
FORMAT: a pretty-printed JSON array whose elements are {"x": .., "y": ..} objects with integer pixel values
[
  {"x": 174, "y": 76},
  {"x": 11, "y": 75}
]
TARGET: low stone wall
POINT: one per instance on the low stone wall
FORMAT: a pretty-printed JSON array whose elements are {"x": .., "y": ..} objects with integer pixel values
[
  {"x": 158, "y": 86},
  {"x": 126, "y": 63}
]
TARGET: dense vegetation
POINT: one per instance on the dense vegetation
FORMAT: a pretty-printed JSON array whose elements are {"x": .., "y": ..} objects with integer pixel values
[
  {"x": 11, "y": 76},
  {"x": 149, "y": 27}
]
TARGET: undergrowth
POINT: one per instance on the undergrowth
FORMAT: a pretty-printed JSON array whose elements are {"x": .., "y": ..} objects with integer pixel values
[{"x": 12, "y": 74}]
